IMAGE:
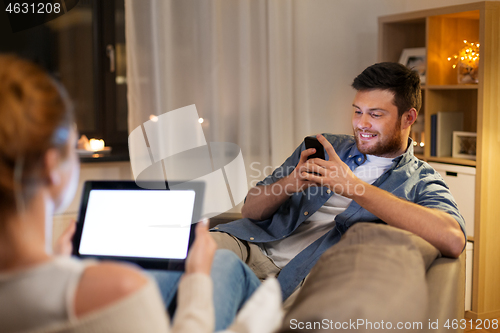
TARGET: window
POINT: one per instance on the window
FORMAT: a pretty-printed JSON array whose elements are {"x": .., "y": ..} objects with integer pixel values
[{"x": 85, "y": 50}]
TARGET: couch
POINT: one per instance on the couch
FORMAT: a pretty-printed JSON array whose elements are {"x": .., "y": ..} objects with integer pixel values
[{"x": 444, "y": 277}]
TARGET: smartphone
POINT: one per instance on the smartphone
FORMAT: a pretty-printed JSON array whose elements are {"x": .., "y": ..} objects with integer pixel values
[{"x": 312, "y": 142}]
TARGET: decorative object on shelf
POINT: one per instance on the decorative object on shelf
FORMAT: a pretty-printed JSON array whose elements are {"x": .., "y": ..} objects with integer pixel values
[
  {"x": 83, "y": 143},
  {"x": 467, "y": 63},
  {"x": 414, "y": 58},
  {"x": 464, "y": 145},
  {"x": 443, "y": 124},
  {"x": 418, "y": 135},
  {"x": 92, "y": 147},
  {"x": 96, "y": 144}
]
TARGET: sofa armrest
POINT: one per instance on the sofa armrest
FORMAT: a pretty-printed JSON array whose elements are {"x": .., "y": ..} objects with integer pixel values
[{"x": 446, "y": 288}]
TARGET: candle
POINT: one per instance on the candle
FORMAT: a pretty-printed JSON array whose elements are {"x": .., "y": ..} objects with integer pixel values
[{"x": 96, "y": 144}]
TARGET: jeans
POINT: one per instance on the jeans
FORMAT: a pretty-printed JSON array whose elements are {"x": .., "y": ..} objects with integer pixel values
[{"x": 234, "y": 282}]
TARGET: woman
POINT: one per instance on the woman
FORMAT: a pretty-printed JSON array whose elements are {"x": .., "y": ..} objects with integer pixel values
[{"x": 38, "y": 175}]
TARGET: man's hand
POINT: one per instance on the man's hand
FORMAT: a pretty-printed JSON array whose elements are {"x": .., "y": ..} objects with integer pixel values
[
  {"x": 297, "y": 180},
  {"x": 202, "y": 252},
  {"x": 334, "y": 173},
  {"x": 64, "y": 245},
  {"x": 263, "y": 201}
]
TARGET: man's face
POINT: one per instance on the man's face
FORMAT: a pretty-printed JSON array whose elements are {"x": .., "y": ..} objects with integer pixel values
[{"x": 376, "y": 125}]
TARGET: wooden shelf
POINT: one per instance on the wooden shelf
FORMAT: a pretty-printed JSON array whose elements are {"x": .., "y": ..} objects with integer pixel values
[
  {"x": 442, "y": 31},
  {"x": 448, "y": 160},
  {"x": 451, "y": 160}
]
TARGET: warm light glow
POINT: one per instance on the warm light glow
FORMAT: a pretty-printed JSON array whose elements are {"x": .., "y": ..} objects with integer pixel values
[
  {"x": 153, "y": 118},
  {"x": 96, "y": 144},
  {"x": 467, "y": 57},
  {"x": 422, "y": 144},
  {"x": 201, "y": 120},
  {"x": 467, "y": 61}
]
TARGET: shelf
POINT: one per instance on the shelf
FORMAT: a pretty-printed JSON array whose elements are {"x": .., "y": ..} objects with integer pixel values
[
  {"x": 448, "y": 160},
  {"x": 451, "y": 160},
  {"x": 444, "y": 31},
  {"x": 452, "y": 87},
  {"x": 452, "y": 100},
  {"x": 118, "y": 154},
  {"x": 401, "y": 35},
  {"x": 446, "y": 35}
]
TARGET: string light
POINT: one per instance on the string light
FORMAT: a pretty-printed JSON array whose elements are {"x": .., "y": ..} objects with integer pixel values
[
  {"x": 469, "y": 56},
  {"x": 467, "y": 59}
]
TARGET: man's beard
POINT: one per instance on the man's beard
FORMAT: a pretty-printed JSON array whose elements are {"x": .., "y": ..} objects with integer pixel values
[{"x": 388, "y": 147}]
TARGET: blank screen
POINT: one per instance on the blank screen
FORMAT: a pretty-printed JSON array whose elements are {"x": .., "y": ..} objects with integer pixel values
[{"x": 146, "y": 224}]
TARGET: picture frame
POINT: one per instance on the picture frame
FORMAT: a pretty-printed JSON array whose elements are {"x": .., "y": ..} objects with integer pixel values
[
  {"x": 415, "y": 58},
  {"x": 464, "y": 145}
]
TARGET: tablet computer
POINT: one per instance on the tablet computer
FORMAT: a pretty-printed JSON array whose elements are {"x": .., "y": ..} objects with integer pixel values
[{"x": 153, "y": 228}]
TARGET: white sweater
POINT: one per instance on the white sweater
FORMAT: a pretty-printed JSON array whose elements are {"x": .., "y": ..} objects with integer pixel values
[{"x": 40, "y": 299}]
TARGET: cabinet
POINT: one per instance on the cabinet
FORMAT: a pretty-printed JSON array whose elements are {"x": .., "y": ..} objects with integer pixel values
[
  {"x": 442, "y": 32},
  {"x": 461, "y": 180}
]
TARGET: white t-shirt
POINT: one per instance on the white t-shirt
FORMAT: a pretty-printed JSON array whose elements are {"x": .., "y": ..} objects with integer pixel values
[{"x": 323, "y": 220}]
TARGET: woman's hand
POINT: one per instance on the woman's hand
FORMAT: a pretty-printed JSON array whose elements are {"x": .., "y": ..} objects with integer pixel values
[
  {"x": 202, "y": 252},
  {"x": 64, "y": 245}
]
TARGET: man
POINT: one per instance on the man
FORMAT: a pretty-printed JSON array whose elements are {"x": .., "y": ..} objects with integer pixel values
[{"x": 294, "y": 215}]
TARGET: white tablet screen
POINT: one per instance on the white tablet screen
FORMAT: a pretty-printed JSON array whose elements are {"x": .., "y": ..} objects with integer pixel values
[{"x": 148, "y": 224}]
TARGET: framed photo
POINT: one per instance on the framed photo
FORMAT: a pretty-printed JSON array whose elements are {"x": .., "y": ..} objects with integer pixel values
[
  {"x": 415, "y": 59},
  {"x": 464, "y": 145}
]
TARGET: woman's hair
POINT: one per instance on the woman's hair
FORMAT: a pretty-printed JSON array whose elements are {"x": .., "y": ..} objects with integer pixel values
[{"x": 35, "y": 115}]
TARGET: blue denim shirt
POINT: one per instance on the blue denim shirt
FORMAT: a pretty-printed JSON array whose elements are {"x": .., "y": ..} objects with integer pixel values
[{"x": 408, "y": 178}]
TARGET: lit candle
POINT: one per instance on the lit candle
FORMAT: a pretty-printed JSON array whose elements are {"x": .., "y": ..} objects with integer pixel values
[{"x": 96, "y": 144}]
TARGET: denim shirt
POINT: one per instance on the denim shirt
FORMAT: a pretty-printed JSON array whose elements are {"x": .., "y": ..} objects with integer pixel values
[{"x": 408, "y": 178}]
